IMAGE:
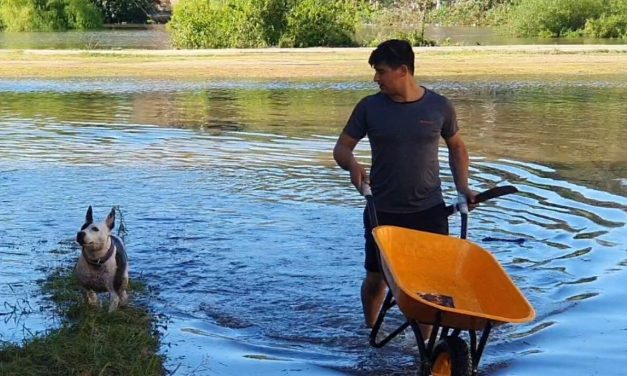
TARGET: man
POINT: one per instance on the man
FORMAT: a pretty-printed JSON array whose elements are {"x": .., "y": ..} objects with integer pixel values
[{"x": 403, "y": 122}]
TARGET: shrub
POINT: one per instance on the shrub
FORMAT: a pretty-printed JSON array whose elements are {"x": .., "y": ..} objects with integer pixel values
[
  {"x": 274, "y": 16},
  {"x": 471, "y": 12},
  {"x": 51, "y": 15},
  {"x": 207, "y": 24},
  {"x": 82, "y": 15},
  {"x": 612, "y": 24},
  {"x": 322, "y": 23},
  {"x": 414, "y": 37},
  {"x": 118, "y": 11},
  {"x": 261, "y": 23},
  {"x": 553, "y": 18},
  {"x": 404, "y": 19}
]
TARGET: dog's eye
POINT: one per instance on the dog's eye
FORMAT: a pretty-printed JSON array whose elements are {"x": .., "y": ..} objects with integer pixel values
[{"x": 94, "y": 228}]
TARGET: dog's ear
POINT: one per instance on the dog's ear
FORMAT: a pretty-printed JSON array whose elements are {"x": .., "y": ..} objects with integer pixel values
[
  {"x": 89, "y": 217},
  {"x": 111, "y": 219}
]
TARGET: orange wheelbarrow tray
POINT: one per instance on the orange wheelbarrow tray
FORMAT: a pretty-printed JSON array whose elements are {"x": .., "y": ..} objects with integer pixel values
[{"x": 453, "y": 285}]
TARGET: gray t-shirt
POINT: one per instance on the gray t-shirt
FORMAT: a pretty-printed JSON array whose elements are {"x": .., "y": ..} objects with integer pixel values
[{"x": 404, "y": 140}]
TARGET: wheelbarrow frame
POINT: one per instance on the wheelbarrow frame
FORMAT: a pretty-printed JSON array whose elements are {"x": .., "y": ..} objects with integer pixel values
[{"x": 426, "y": 346}]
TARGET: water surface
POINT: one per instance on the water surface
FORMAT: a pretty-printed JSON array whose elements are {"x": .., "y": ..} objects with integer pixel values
[
  {"x": 238, "y": 216},
  {"x": 156, "y": 37}
]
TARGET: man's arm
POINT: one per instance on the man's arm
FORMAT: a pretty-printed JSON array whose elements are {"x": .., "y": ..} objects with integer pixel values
[
  {"x": 458, "y": 160},
  {"x": 343, "y": 155}
]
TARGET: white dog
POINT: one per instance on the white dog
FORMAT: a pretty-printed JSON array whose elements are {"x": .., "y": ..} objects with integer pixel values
[{"x": 102, "y": 265}]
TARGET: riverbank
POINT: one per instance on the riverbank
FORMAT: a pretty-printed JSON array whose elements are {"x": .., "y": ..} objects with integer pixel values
[
  {"x": 545, "y": 61},
  {"x": 88, "y": 341}
]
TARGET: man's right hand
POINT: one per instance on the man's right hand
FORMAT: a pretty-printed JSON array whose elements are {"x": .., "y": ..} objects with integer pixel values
[
  {"x": 343, "y": 155},
  {"x": 359, "y": 175}
]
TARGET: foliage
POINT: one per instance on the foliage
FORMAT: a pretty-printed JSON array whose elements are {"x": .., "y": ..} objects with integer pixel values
[
  {"x": 612, "y": 24},
  {"x": 472, "y": 12},
  {"x": 401, "y": 19},
  {"x": 261, "y": 23},
  {"x": 118, "y": 11},
  {"x": 559, "y": 18},
  {"x": 49, "y": 15},
  {"x": 322, "y": 23},
  {"x": 274, "y": 16},
  {"x": 415, "y": 37},
  {"x": 207, "y": 24}
]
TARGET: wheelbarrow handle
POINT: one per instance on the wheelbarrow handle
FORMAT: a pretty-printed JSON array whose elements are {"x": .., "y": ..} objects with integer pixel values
[
  {"x": 487, "y": 195},
  {"x": 366, "y": 190},
  {"x": 372, "y": 211}
]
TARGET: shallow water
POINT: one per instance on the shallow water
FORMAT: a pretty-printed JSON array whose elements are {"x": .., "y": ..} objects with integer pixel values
[{"x": 238, "y": 216}]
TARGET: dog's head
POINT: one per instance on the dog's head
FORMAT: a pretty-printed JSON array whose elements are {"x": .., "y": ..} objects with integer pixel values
[{"x": 94, "y": 236}]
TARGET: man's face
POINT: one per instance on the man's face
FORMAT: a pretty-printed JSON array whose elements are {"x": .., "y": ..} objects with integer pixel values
[{"x": 388, "y": 79}]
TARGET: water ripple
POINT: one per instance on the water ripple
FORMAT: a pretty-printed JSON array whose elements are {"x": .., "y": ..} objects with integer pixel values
[{"x": 252, "y": 234}]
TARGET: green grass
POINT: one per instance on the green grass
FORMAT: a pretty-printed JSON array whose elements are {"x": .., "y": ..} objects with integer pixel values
[{"x": 89, "y": 341}]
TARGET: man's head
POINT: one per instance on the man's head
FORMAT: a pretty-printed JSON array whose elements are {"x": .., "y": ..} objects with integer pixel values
[
  {"x": 393, "y": 62},
  {"x": 394, "y": 53}
]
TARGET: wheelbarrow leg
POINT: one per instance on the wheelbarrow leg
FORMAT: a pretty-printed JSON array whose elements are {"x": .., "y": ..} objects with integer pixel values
[
  {"x": 426, "y": 349},
  {"x": 477, "y": 350},
  {"x": 388, "y": 303}
]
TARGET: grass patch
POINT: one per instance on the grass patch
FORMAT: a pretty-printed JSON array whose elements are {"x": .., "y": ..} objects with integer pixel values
[{"x": 89, "y": 341}]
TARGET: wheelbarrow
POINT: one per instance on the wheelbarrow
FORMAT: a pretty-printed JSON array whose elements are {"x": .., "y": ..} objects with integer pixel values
[{"x": 451, "y": 284}]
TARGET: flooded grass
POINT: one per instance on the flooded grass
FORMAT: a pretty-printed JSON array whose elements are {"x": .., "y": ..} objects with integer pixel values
[{"x": 89, "y": 341}]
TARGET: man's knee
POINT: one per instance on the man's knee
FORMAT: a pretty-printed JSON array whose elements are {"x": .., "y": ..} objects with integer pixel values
[{"x": 374, "y": 281}]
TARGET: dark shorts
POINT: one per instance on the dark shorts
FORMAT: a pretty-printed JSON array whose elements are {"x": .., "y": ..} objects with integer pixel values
[{"x": 433, "y": 220}]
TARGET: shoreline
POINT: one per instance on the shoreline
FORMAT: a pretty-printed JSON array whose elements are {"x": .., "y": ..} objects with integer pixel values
[{"x": 502, "y": 62}]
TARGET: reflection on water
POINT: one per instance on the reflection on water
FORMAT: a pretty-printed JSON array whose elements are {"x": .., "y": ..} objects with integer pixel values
[
  {"x": 238, "y": 215},
  {"x": 149, "y": 37},
  {"x": 157, "y": 37},
  {"x": 573, "y": 129}
]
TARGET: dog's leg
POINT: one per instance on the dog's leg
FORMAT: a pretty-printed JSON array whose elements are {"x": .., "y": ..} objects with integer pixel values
[
  {"x": 122, "y": 292},
  {"x": 92, "y": 298},
  {"x": 115, "y": 301}
]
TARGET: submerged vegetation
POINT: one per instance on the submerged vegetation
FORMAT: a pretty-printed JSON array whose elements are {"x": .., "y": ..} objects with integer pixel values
[{"x": 88, "y": 341}]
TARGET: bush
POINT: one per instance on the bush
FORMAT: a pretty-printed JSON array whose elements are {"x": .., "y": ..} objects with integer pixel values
[
  {"x": 414, "y": 37},
  {"x": 612, "y": 24},
  {"x": 404, "y": 19},
  {"x": 274, "y": 16},
  {"x": 322, "y": 23},
  {"x": 118, "y": 11},
  {"x": 231, "y": 23},
  {"x": 553, "y": 18},
  {"x": 82, "y": 15},
  {"x": 262, "y": 23},
  {"x": 51, "y": 15}
]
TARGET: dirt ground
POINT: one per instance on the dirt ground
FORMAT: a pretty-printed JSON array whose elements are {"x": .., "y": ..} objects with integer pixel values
[{"x": 546, "y": 61}]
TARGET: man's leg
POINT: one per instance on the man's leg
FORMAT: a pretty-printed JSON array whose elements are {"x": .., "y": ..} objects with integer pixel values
[
  {"x": 433, "y": 220},
  {"x": 373, "y": 290}
]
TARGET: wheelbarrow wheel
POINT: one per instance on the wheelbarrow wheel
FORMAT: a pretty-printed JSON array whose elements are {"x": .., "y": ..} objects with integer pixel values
[{"x": 451, "y": 357}]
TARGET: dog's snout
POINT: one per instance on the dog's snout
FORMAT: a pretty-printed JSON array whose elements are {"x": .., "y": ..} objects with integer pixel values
[{"x": 80, "y": 237}]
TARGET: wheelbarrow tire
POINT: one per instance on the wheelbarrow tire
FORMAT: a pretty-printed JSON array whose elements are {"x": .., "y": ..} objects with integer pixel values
[{"x": 451, "y": 357}]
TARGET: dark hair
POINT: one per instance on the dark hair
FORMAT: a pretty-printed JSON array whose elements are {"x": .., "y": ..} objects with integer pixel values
[{"x": 393, "y": 52}]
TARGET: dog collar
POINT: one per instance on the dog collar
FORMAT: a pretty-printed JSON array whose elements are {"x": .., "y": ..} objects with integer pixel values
[{"x": 99, "y": 261}]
